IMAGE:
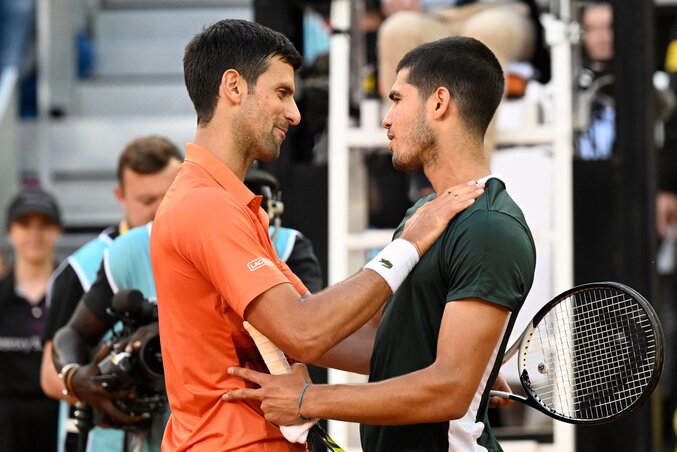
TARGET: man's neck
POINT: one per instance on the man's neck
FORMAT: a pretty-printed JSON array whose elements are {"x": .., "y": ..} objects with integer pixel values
[
  {"x": 456, "y": 165},
  {"x": 216, "y": 142}
]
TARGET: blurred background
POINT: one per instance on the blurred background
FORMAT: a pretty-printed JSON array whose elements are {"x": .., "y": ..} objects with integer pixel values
[{"x": 588, "y": 119}]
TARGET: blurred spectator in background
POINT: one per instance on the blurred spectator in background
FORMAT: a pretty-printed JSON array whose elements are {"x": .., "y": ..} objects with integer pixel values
[
  {"x": 598, "y": 36},
  {"x": 666, "y": 206},
  {"x": 597, "y": 113},
  {"x": 28, "y": 419},
  {"x": 666, "y": 226},
  {"x": 146, "y": 169}
]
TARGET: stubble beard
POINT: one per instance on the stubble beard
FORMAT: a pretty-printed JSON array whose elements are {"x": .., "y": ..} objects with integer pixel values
[
  {"x": 255, "y": 143},
  {"x": 422, "y": 151}
]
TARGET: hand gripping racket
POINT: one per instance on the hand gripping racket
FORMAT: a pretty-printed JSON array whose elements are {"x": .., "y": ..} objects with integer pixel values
[
  {"x": 590, "y": 356},
  {"x": 277, "y": 364}
]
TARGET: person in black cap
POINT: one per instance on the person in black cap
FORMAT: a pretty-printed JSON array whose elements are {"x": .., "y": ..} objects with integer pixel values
[{"x": 28, "y": 418}]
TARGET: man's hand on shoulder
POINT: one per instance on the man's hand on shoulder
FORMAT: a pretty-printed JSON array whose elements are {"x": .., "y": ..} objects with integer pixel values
[{"x": 431, "y": 219}]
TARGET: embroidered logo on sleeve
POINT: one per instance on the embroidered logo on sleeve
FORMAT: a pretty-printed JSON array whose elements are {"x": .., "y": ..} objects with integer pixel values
[{"x": 259, "y": 262}]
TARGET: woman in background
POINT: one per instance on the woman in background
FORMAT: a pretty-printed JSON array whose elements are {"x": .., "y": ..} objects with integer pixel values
[{"x": 28, "y": 418}]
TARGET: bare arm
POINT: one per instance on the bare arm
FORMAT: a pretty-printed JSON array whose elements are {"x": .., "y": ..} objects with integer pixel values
[
  {"x": 72, "y": 345},
  {"x": 328, "y": 317},
  {"x": 352, "y": 354},
  {"x": 49, "y": 378},
  {"x": 73, "y": 342},
  {"x": 442, "y": 391}
]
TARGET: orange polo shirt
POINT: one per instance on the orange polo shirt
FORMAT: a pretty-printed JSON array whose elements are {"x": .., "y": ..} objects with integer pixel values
[{"x": 211, "y": 256}]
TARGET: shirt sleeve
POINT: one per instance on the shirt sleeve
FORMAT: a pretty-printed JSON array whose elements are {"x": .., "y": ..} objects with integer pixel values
[
  {"x": 64, "y": 294},
  {"x": 492, "y": 259},
  {"x": 99, "y": 298}
]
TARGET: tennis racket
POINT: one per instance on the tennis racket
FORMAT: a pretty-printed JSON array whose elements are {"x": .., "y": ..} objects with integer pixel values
[
  {"x": 277, "y": 364},
  {"x": 592, "y": 355}
]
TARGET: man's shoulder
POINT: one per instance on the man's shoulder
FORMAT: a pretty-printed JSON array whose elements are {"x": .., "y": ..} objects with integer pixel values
[
  {"x": 86, "y": 260},
  {"x": 496, "y": 202},
  {"x": 492, "y": 225},
  {"x": 64, "y": 272},
  {"x": 190, "y": 203},
  {"x": 132, "y": 248},
  {"x": 95, "y": 247},
  {"x": 134, "y": 237}
]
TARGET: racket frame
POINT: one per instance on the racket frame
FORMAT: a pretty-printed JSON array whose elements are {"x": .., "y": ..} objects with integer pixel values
[{"x": 522, "y": 345}]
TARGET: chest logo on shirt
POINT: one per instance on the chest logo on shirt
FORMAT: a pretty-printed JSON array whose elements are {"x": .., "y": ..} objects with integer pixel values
[{"x": 259, "y": 262}]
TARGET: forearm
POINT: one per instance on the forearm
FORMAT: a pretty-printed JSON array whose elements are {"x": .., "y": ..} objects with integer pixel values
[
  {"x": 307, "y": 330},
  {"x": 69, "y": 348},
  {"x": 414, "y": 398},
  {"x": 49, "y": 379},
  {"x": 352, "y": 354}
]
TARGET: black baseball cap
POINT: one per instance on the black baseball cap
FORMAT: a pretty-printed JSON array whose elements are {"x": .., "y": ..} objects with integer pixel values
[{"x": 33, "y": 200}]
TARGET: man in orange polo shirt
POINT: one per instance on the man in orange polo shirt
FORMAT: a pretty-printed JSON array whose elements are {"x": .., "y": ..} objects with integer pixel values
[{"x": 214, "y": 262}]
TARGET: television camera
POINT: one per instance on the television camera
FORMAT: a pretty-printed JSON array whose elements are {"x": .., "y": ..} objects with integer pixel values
[{"x": 139, "y": 371}]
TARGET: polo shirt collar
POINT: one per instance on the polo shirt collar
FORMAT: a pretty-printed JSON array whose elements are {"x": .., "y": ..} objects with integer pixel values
[{"x": 222, "y": 175}]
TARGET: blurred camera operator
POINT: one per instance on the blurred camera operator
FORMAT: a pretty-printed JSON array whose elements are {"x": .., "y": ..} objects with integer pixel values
[
  {"x": 146, "y": 168},
  {"x": 126, "y": 265}
]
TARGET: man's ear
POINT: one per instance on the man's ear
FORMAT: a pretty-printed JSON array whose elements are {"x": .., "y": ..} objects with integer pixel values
[
  {"x": 441, "y": 100},
  {"x": 232, "y": 86},
  {"x": 119, "y": 195}
]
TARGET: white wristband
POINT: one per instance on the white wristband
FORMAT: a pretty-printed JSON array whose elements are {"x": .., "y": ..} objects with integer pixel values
[{"x": 394, "y": 262}]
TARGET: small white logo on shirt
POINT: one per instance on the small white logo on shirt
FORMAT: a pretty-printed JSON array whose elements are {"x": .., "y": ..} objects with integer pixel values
[{"x": 258, "y": 263}]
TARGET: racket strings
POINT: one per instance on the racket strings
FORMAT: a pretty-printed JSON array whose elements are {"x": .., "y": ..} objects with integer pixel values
[
  {"x": 592, "y": 355},
  {"x": 608, "y": 368}
]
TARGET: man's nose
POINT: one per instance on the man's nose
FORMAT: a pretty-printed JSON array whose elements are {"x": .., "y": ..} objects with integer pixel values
[
  {"x": 386, "y": 123},
  {"x": 293, "y": 115}
]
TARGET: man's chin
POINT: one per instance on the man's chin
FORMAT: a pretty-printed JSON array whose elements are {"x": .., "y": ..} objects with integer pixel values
[
  {"x": 268, "y": 157},
  {"x": 404, "y": 166}
]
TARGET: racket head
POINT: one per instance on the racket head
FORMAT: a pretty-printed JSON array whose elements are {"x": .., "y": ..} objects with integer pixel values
[{"x": 592, "y": 355}]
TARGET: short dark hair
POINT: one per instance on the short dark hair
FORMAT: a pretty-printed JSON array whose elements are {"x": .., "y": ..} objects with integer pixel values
[
  {"x": 236, "y": 44},
  {"x": 147, "y": 155},
  {"x": 467, "y": 68}
]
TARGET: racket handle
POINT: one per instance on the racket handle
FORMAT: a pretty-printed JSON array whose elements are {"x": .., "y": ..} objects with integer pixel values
[
  {"x": 277, "y": 364},
  {"x": 274, "y": 357},
  {"x": 509, "y": 395}
]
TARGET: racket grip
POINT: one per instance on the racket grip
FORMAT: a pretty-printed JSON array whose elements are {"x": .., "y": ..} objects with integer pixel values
[
  {"x": 274, "y": 357},
  {"x": 507, "y": 395},
  {"x": 277, "y": 364}
]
